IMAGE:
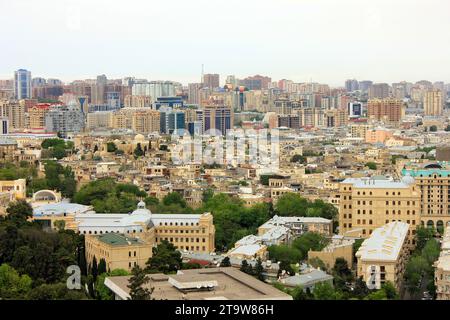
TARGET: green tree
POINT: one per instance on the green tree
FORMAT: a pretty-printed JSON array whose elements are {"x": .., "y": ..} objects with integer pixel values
[
  {"x": 138, "y": 152},
  {"x": 292, "y": 204},
  {"x": 389, "y": 289},
  {"x": 19, "y": 211},
  {"x": 94, "y": 269},
  {"x": 60, "y": 225},
  {"x": 377, "y": 295},
  {"x": 225, "y": 262},
  {"x": 317, "y": 263},
  {"x": 259, "y": 269},
  {"x": 165, "y": 258},
  {"x": 108, "y": 196},
  {"x": 246, "y": 267},
  {"x": 137, "y": 283},
  {"x": 360, "y": 289},
  {"x": 111, "y": 147},
  {"x": 151, "y": 201},
  {"x": 414, "y": 271},
  {"x": 298, "y": 158},
  {"x": 207, "y": 194},
  {"x": 309, "y": 241},
  {"x": 371, "y": 165},
  {"x": 101, "y": 266},
  {"x": 13, "y": 285},
  {"x": 298, "y": 293},
  {"x": 174, "y": 198},
  {"x": 342, "y": 270},
  {"x": 325, "y": 291},
  {"x": 423, "y": 235},
  {"x": 55, "y": 291},
  {"x": 284, "y": 253},
  {"x": 102, "y": 292}
]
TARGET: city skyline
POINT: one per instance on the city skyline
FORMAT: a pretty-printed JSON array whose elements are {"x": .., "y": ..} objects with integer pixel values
[{"x": 325, "y": 41}]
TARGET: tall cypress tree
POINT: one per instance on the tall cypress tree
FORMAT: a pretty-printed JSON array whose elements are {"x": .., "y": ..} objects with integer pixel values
[
  {"x": 102, "y": 266},
  {"x": 259, "y": 269},
  {"x": 225, "y": 262},
  {"x": 136, "y": 285},
  {"x": 94, "y": 269}
]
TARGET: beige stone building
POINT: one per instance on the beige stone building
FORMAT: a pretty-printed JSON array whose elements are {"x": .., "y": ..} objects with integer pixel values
[
  {"x": 382, "y": 257},
  {"x": 141, "y": 120},
  {"x": 340, "y": 247},
  {"x": 15, "y": 112},
  {"x": 132, "y": 101},
  {"x": 36, "y": 115},
  {"x": 17, "y": 188},
  {"x": 367, "y": 203},
  {"x": 433, "y": 180},
  {"x": 201, "y": 284},
  {"x": 118, "y": 250},
  {"x": 99, "y": 119},
  {"x": 388, "y": 110},
  {"x": 442, "y": 269},
  {"x": 433, "y": 103},
  {"x": 190, "y": 232}
]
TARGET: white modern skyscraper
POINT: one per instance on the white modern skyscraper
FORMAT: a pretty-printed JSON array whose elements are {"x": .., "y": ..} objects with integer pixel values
[{"x": 22, "y": 84}]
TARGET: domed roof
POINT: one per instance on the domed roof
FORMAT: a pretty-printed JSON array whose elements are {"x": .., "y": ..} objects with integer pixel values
[
  {"x": 141, "y": 209},
  {"x": 408, "y": 179},
  {"x": 139, "y": 137}
]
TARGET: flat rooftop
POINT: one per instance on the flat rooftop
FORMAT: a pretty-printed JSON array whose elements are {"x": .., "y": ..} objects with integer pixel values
[
  {"x": 217, "y": 283},
  {"x": 116, "y": 239},
  {"x": 385, "y": 243}
]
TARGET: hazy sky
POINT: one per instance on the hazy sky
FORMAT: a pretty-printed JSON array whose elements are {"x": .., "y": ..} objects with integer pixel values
[{"x": 324, "y": 40}]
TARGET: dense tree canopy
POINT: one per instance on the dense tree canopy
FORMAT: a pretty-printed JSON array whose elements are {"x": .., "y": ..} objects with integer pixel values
[
  {"x": 292, "y": 204},
  {"x": 233, "y": 220},
  {"x": 165, "y": 258},
  {"x": 34, "y": 254},
  {"x": 10, "y": 171},
  {"x": 108, "y": 196},
  {"x": 56, "y": 148},
  {"x": 137, "y": 285},
  {"x": 57, "y": 178}
]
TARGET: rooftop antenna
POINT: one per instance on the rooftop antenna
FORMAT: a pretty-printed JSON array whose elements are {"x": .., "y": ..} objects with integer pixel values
[{"x": 201, "y": 80}]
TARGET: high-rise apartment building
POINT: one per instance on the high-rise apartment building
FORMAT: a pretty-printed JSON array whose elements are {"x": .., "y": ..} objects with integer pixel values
[
  {"x": 145, "y": 121},
  {"x": 388, "y": 110},
  {"x": 131, "y": 101},
  {"x": 256, "y": 82},
  {"x": 219, "y": 117},
  {"x": 65, "y": 119},
  {"x": 37, "y": 114},
  {"x": 379, "y": 91},
  {"x": 434, "y": 182},
  {"x": 351, "y": 85},
  {"x": 141, "y": 120},
  {"x": 211, "y": 81},
  {"x": 22, "y": 84},
  {"x": 154, "y": 89},
  {"x": 433, "y": 103},
  {"x": 4, "y": 125},
  {"x": 194, "y": 92},
  {"x": 99, "y": 120},
  {"x": 15, "y": 112},
  {"x": 365, "y": 85}
]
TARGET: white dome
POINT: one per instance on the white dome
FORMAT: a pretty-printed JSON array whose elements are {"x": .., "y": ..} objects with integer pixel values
[
  {"x": 407, "y": 179},
  {"x": 141, "y": 209},
  {"x": 139, "y": 137}
]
